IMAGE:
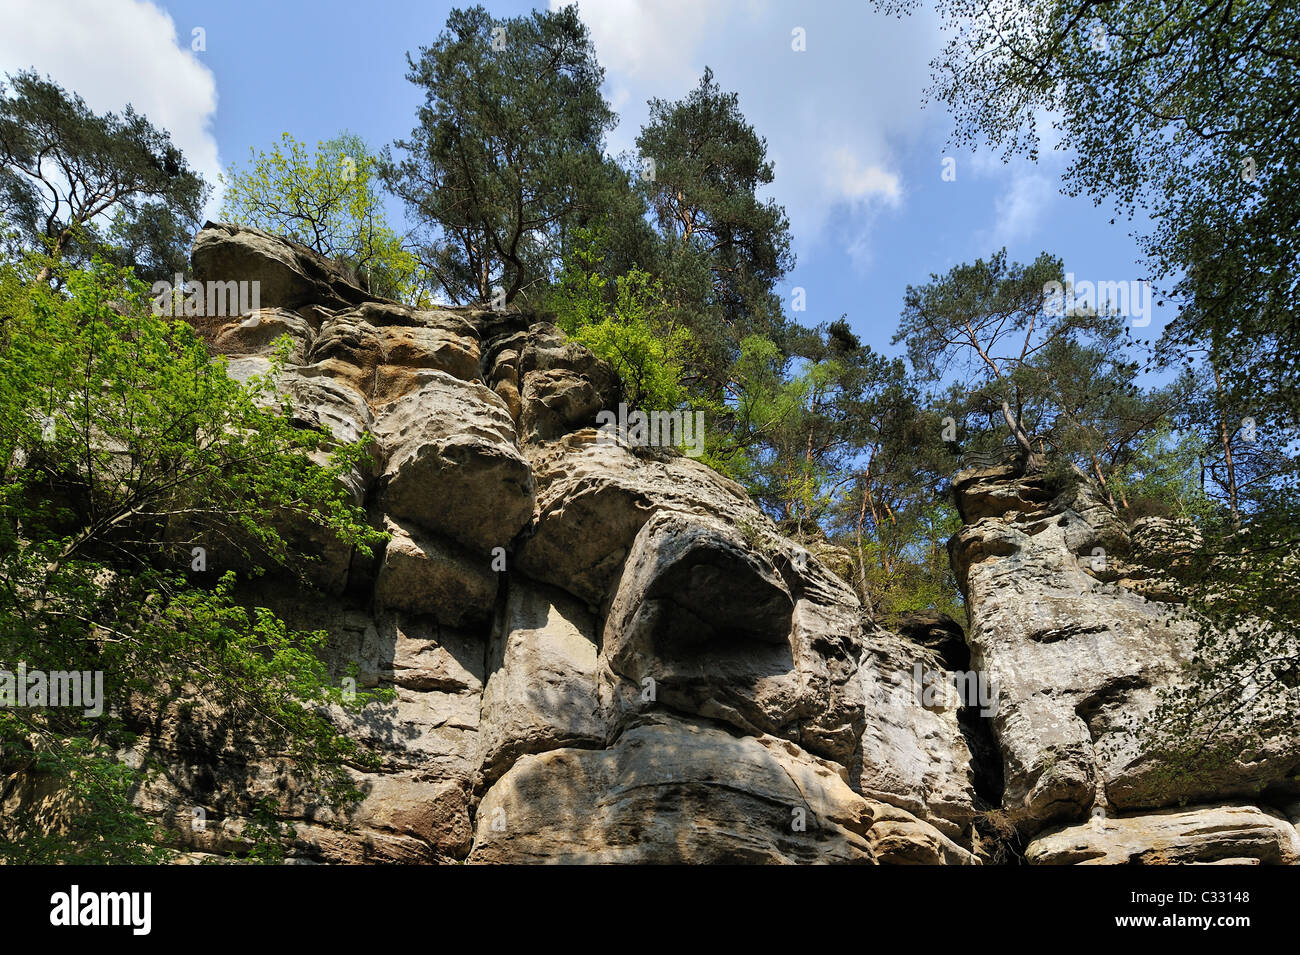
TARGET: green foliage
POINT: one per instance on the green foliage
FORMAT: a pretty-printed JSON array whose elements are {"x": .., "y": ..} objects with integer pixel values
[
  {"x": 1172, "y": 110},
  {"x": 755, "y": 400},
  {"x": 77, "y": 183},
  {"x": 1162, "y": 478},
  {"x": 92, "y": 820},
  {"x": 508, "y": 155},
  {"x": 977, "y": 326},
  {"x": 266, "y": 833},
  {"x": 1242, "y": 687},
  {"x": 123, "y": 446},
  {"x": 709, "y": 164},
  {"x": 806, "y": 423},
  {"x": 1057, "y": 381},
  {"x": 906, "y": 565},
  {"x": 721, "y": 249},
  {"x": 894, "y": 514},
  {"x": 328, "y": 200},
  {"x": 625, "y": 322}
]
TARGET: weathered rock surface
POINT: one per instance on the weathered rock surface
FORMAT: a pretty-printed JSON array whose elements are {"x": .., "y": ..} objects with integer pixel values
[
  {"x": 913, "y": 752},
  {"x": 600, "y": 653},
  {"x": 542, "y": 693},
  {"x": 671, "y": 790},
  {"x": 289, "y": 275},
  {"x": 552, "y": 385},
  {"x": 1212, "y": 834},
  {"x": 593, "y": 498},
  {"x": 423, "y": 575},
  {"x": 453, "y": 463},
  {"x": 1077, "y": 660}
]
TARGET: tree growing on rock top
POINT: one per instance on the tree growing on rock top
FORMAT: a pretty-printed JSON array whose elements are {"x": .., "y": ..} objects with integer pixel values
[
  {"x": 1052, "y": 378},
  {"x": 722, "y": 249},
  {"x": 326, "y": 199},
  {"x": 507, "y": 157}
]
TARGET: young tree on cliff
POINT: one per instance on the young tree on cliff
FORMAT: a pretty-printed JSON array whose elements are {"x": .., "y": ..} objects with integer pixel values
[
  {"x": 508, "y": 154},
  {"x": 327, "y": 200},
  {"x": 800, "y": 423},
  {"x": 624, "y": 321},
  {"x": 75, "y": 183}
]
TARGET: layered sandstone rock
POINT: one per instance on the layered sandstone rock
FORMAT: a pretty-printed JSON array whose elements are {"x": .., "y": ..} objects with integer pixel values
[
  {"x": 596, "y": 652},
  {"x": 1206, "y": 835},
  {"x": 601, "y": 653},
  {"x": 1078, "y": 654}
]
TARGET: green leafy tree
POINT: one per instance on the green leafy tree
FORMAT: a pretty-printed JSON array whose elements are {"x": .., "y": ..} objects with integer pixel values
[
  {"x": 756, "y": 401},
  {"x": 122, "y": 446},
  {"x": 624, "y": 321},
  {"x": 328, "y": 200},
  {"x": 74, "y": 182},
  {"x": 1241, "y": 691},
  {"x": 816, "y": 426},
  {"x": 1166, "y": 477}
]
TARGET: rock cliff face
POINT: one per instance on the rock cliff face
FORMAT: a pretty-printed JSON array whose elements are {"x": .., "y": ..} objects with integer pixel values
[
  {"x": 604, "y": 653},
  {"x": 1077, "y": 652}
]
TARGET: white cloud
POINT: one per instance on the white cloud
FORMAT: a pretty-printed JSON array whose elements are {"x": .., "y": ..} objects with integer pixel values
[
  {"x": 1019, "y": 211},
  {"x": 1030, "y": 189},
  {"x": 115, "y": 52},
  {"x": 837, "y": 117},
  {"x": 652, "y": 42},
  {"x": 851, "y": 178}
]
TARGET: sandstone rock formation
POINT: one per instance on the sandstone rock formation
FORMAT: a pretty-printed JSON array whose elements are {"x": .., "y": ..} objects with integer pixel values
[
  {"x": 602, "y": 653},
  {"x": 1078, "y": 655}
]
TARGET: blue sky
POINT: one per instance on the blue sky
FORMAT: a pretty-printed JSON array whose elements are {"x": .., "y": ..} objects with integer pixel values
[{"x": 858, "y": 159}]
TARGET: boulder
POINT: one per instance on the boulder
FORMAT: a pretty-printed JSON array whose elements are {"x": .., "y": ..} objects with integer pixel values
[
  {"x": 1231, "y": 833},
  {"x": 679, "y": 791},
  {"x": 257, "y": 334},
  {"x": 1078, "y": 661},
  {"x": 289, "y": 275},
  {"x": 453, "y": 465},
  {"x": 377, "y": 348},
  {"x": 913, "y": 752}
]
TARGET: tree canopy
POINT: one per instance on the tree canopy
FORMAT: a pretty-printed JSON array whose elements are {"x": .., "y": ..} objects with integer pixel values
[
  {"x": 328, "y": 200},
  {"x": 508, "y": 154},
  {"x": 74, "y": 182}
]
